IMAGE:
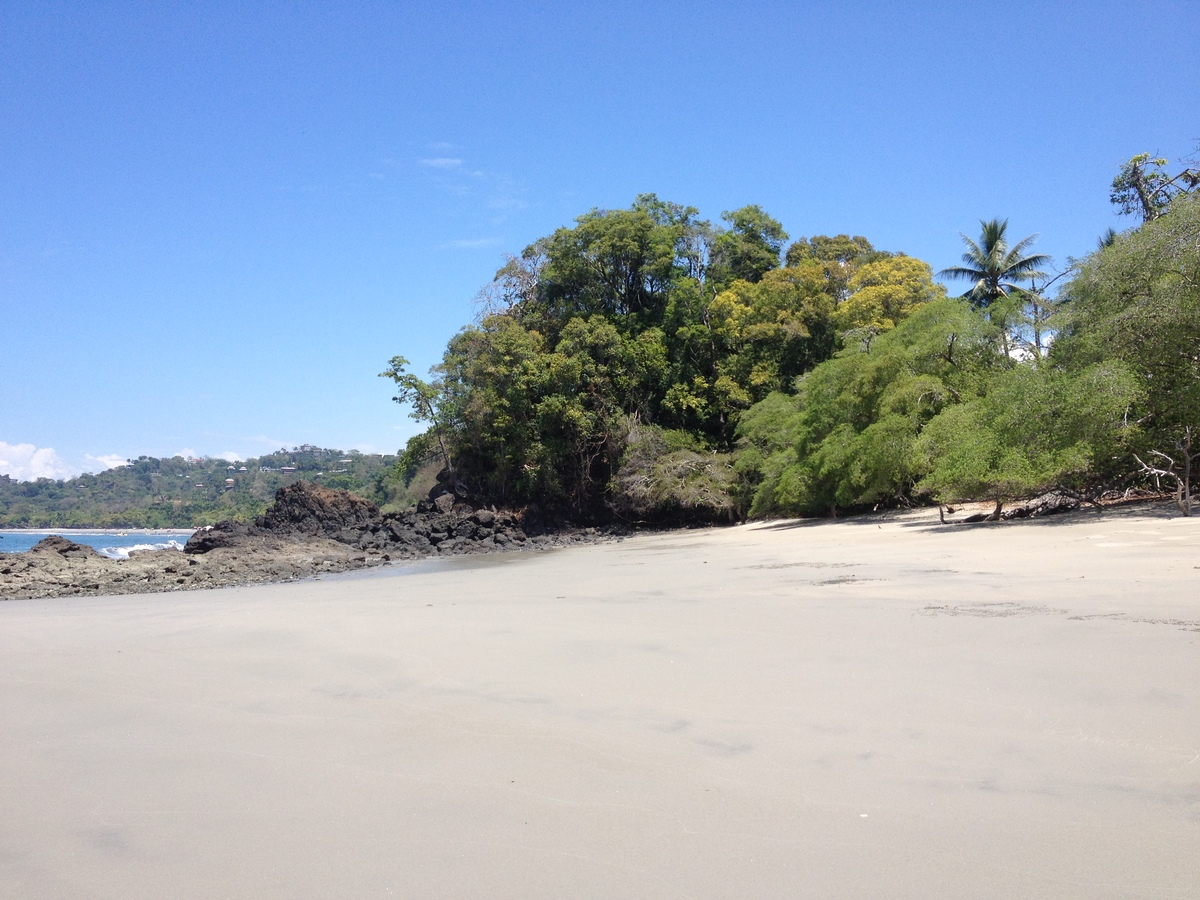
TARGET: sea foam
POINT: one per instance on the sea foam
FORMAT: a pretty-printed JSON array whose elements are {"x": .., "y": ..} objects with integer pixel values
[{"x": 123, "y": 552}]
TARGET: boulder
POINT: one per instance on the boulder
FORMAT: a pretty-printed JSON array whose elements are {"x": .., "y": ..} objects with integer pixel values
[
  {"x": 56, "y": 543},
  {"x": 308, "y": 508},
  {"x": 223, "y": 534}
]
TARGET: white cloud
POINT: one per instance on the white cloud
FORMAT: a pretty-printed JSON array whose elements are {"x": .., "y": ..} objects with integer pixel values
[
  {"x": 475, "y": 243},
  {"x": 272, "y": 442},
  {"x": 442, "y": 162},
  {"x": 25, "y": 462},
  {"x": 492, "y": 190},
  {"x": 230, "y": 455},
  {"x": 188, "y": 453},
  {"x": 101, "y": 463}
]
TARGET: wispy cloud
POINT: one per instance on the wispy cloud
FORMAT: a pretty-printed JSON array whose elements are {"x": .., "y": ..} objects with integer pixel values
[
  {"x": 442, "y": 162},
  {"x": 494, "y": 191},
  {"x": 272, "y": 442},
  {"x": 473, "y": 243},
  {"x": 505, "y": 195}
]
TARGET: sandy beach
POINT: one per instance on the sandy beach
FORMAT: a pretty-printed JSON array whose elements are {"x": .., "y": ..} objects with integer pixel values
[{"x": 879, "y": 707}]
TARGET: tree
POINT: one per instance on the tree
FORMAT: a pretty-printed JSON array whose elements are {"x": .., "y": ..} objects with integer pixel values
[
  {"x": 750, "y": 248},
  {"x": 994, "y": 266},
  {"x": 666, "y": 474},
  {"x": 1138, "y": 302},
  {"x": 427, "y": 405},
  {"x": 840, "y": 257},
  {"x": 1033, "y": 316},
  {"x": 753, "y": 338},
  {"x": 1037, "y": 428},
  {"x": 514, "y": 289},
  {"x": 615, "y": 262},
  {"x": 1143, "y": 187},
  {"x": 885, "y": 292},
  {"x": 846, "y": 437}
]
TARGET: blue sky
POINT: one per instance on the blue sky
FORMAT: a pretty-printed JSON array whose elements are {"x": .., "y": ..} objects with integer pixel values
[{"x": 220, "y": 220}]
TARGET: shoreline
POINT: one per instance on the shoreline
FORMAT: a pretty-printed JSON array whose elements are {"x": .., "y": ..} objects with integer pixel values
[
  {"x": 70, "y": 531},
  {"x": 235, "y": 555},
  {"x": 835, "y": 707}
]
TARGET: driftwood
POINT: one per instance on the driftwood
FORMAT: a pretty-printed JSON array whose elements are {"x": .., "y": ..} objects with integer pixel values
[
  {"x": 1043, "y": 505},
  {"x": 1178, "y": 469}
]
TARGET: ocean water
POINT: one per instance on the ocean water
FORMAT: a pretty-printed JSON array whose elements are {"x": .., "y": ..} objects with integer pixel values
[{"x": 113, "y": 544}]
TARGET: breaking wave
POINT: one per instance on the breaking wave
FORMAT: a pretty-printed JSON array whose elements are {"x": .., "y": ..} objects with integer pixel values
[{"x": 123, "y": 552}]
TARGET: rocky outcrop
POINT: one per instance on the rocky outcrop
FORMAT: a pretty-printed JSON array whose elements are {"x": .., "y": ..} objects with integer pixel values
[
  {"x": 444, "y": 524},
  {"x": 309, "y": 531},
  {"x": 56, "y": 543},
  {"x": 308, "y": 508},
  {"x": 56, "y": 571},
  {"x": 223, "y": 534}
]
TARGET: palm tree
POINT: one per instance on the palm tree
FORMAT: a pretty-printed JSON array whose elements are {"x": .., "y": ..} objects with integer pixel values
[{"x": 994, "y": 266}]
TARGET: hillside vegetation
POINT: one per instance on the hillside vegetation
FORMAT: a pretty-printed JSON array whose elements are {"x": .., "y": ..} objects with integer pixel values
[{"x": 182, "y": 493}]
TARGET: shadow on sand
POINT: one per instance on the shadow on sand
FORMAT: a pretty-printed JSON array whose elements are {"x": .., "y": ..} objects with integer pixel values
[{"x": 925, "y": 519}]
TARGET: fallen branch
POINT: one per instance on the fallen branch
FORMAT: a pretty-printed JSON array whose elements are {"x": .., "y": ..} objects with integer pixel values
[{"x": 1176, "y": 470}]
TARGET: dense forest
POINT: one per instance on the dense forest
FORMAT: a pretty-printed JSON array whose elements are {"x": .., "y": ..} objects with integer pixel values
[
  {"x": 651, "y": 365},
  {"x": 182, "y": 493}
]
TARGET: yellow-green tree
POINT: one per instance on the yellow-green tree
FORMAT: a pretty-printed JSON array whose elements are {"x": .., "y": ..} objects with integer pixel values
[{"x": 885, "y": 292}]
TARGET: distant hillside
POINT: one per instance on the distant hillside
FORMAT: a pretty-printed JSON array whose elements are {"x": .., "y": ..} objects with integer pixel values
[{"x": 181, "y": 493}]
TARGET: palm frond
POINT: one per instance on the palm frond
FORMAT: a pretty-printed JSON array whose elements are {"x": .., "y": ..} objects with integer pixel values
[
  {"x": 1024, "y": 244},
  {"x": 959, "y": 272}
]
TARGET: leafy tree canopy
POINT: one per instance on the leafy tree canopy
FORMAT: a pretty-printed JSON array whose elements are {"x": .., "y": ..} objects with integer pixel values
[{"x": 648, "y": 363}]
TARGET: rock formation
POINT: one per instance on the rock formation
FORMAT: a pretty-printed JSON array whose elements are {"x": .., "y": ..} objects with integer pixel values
[{"x": 310, "y": 530}]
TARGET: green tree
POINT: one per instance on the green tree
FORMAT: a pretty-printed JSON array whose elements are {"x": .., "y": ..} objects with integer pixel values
[
  {"x": 995, "y": 267},
  {"x": 543, "y": 423},
  {"x": 1137, "y": 302},
  {"x": 619, "y": 263},
  {"x": 1144, "y": 187},
  {"x": 846, "y": 437},
  {"x": 750, "y": 247},
  {"x": 753, "y": 338},
  {"x": 428, "y": 405},
  {"x": 1036, "y": 428}
]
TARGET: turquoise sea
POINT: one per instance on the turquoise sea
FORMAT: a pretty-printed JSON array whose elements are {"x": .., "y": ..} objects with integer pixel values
[{"x": 113, "y": 544}]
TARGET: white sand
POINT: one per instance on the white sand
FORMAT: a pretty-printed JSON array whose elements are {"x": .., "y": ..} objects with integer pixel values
[{"x": 873, "y": 708}]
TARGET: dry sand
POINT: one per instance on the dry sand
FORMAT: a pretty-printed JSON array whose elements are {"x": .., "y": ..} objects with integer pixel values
[{"x": 878, "y": 708}]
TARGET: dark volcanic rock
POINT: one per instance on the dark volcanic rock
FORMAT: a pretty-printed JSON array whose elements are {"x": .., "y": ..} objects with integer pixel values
[
  {"x": 310, "y": 509},
  {"x": 56, "y": 543},
  {"x": 309, "y": 531},
  {"x": 223, "y": 534}
]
